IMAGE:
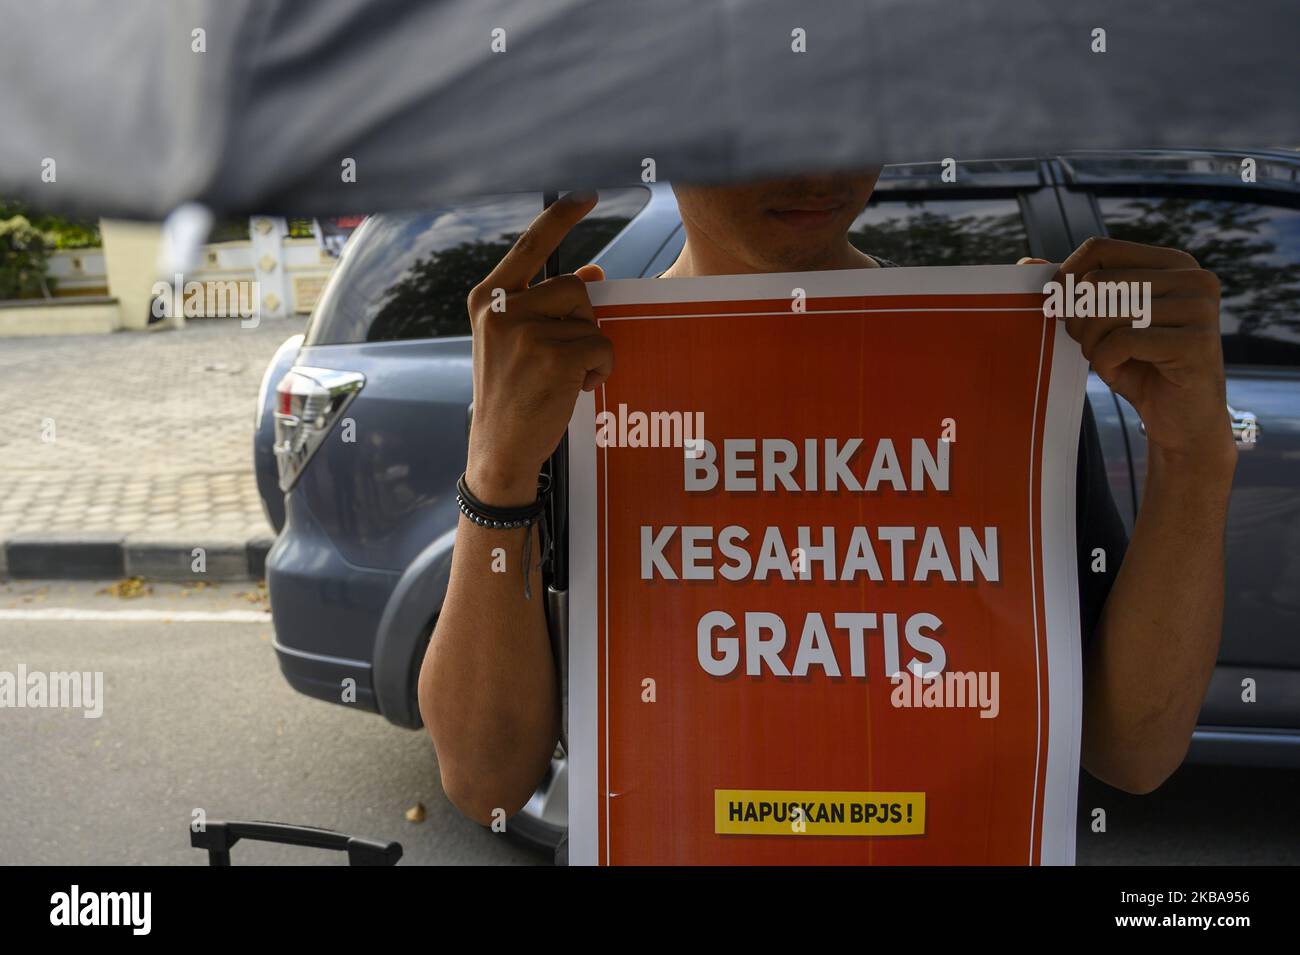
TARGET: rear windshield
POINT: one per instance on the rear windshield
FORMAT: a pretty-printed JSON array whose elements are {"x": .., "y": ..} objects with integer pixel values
[{"x": 406, "y": 275}]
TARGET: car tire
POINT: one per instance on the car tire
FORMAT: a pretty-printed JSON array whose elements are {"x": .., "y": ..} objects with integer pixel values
[{"x": 542, "y": 823}]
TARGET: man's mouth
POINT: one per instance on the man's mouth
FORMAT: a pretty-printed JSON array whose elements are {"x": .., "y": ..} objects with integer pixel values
[{"x": 807, "y": 213}]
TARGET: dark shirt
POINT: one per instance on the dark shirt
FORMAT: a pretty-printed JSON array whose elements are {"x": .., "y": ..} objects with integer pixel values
[{"x": 1097, "y": 524}]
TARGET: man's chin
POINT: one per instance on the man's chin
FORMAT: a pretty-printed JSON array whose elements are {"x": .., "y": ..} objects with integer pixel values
[
  {"x": 802, "y": 261},
  {"x": 805, "y": 252}
]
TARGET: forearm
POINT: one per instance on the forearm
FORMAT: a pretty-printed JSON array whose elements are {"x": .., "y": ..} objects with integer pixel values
[
  {"x": 1152, "y": 657},
  {"x": 488, "y": 690}
]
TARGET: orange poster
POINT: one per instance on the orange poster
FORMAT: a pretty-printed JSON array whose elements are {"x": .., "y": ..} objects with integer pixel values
[{"x": 823, "y": 597}]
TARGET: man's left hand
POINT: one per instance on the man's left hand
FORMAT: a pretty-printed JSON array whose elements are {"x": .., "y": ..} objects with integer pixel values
[{"x": 1171, "y": 370}]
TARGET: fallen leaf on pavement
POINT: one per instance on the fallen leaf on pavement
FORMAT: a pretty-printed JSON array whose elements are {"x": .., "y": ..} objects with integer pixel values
[{"x": 127, "y": 588}]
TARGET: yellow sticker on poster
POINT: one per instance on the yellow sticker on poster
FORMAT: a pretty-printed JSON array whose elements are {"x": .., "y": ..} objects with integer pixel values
[{"x": 772, "y": 812}]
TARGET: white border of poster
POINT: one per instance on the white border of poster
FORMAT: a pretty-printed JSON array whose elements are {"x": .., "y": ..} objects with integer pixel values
[{"x": 1065, "y": 396}]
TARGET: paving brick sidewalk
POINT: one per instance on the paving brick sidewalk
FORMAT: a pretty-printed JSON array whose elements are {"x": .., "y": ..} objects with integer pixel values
[{"x": 152, "y": 436}]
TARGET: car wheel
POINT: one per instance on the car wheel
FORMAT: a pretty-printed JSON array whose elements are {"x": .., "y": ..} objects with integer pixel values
[{"x": 543, "y": 821}]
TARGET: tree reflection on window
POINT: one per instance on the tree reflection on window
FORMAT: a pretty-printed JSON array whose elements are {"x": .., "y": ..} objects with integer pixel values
[
  {"x": 1254, "y": 249},
  {"x": 429, "y": 300},
  {"x": 944, "y": 232}
]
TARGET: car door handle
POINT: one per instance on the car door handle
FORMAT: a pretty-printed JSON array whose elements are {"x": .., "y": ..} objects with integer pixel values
[{"x": 1245, "y": 428}]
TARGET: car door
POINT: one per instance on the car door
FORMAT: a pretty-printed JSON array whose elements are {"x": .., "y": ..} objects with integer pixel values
[{"x": 1248, "y": 233}]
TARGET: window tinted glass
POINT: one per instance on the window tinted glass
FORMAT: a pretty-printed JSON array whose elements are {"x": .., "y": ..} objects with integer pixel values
[
  {"x": 1254, "y": 249},
  {"x": 406, "y": 275},
  {"x": 942, "y": 231},
  {"x": 616, "y": 208}
]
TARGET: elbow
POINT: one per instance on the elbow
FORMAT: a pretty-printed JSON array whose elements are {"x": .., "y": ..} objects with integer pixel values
[
  {"x": 1139, "y": 782},
  {"x": 483, "y": 782},
  {"x": 487, "y": 801},
  {"x": 1137, "y": 773},
  {"x": 483, "y": 786},
  {"x": 1136, "y": 752}
]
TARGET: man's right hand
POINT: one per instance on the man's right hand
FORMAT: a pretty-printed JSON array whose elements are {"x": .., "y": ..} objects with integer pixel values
[{"x": 535, "y": 348}]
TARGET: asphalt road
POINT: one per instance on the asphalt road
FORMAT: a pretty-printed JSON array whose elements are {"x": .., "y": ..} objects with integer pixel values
[{"x": 197, "y": 716}]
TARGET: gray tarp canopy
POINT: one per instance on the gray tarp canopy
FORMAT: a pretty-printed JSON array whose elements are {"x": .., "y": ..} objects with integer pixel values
[{"x": 585, "y": 90}]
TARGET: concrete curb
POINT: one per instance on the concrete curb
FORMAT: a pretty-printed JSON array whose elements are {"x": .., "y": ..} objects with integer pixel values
[{"x": 84, "y": 556}]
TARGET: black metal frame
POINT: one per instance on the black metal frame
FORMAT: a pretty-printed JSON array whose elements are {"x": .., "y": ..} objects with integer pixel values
[
  {"x": 218, "y": 837},
  {"x": 554, "y": 542}
]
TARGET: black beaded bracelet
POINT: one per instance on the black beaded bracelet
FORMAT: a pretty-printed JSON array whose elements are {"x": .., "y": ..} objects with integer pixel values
[
  {"x": 500, "y": 518},
  {"x": 507, "y": 518}
]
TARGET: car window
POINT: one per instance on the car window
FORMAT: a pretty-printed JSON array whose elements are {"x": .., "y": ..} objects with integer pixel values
[
  {"x": 407, "y": 274},
  {"x": 1254, "y": 249},
  {"x": 616, "y": 208},
  {"x": 942, "y": 231}
]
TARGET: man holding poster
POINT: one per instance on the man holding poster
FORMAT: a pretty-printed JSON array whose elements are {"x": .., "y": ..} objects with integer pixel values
[{"x": 857, "y": 615}]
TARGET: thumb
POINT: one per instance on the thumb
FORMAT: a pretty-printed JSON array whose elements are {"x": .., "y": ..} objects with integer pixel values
[
  {"x": 1027, "y": 260},
  {"x": 590, "y": 273}
]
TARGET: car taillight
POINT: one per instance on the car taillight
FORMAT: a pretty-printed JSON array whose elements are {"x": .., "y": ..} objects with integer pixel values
[{"x": 308, "y": 403}]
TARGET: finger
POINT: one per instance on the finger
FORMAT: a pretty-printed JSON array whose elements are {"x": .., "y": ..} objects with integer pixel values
[
  {"x": 542, "y": 237},
  {"x": 590, "y": 273},
  {"x": 552, "y": 329},
  {"x": 1200, "y": 314},
  {"x": 1163, "y": 282},
  {"x": 564, "y": 296},
  {"x": 1099, "y": 253},
  {"x": 595, "y": 354},
  {"x": 1030, "y": 260},
  {"x": 1154, "y": 345},
  {"x": 1088, "y": 331}
]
